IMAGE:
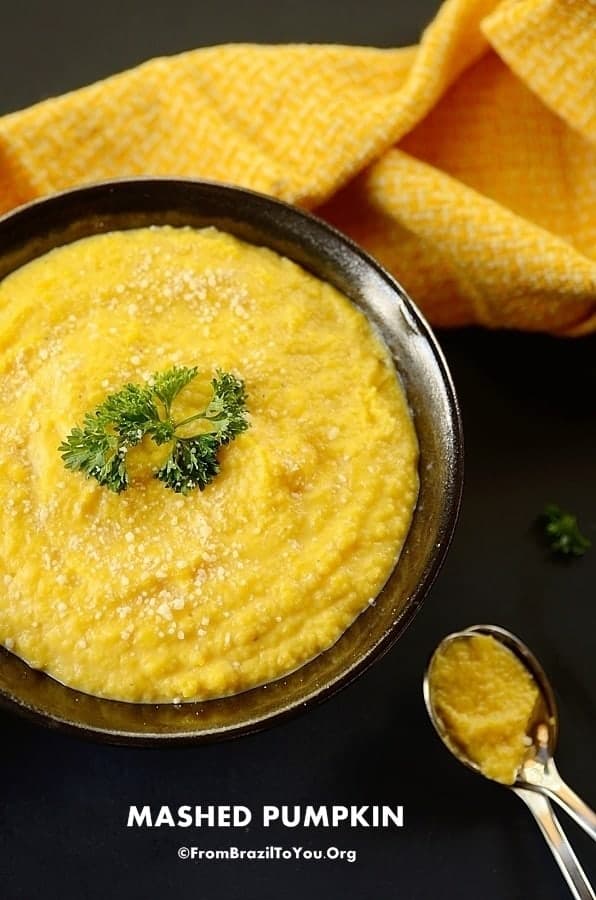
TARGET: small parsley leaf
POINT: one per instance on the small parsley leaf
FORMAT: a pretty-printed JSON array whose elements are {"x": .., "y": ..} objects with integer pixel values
[
  {"x": 227, "y": 407},
  {"x": 96, "y": 453},
  {"x": 131, "y": 411},
  {"x": 563, "y": 532},
  {"x": 167, "y": 385},
  {"x": 192, "y": 463}
]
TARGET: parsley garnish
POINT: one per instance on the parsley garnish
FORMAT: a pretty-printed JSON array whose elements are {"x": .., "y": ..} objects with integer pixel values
[
  {"x": 563, "y": 533},
  {"x": 99, "y": 446}
]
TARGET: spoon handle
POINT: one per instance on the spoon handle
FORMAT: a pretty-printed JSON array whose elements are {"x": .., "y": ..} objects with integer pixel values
[
  {"x": 555, "y": 838},
  {"x": 568, "y": 800},
  {"x": 545, "y": 778}
]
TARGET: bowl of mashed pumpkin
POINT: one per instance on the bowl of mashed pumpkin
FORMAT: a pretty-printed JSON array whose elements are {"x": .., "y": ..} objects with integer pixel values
[{"x": 164, "y": 613}]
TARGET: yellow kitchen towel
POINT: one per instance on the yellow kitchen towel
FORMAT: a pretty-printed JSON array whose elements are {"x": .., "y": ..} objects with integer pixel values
[{"x": 466, "y": 165}]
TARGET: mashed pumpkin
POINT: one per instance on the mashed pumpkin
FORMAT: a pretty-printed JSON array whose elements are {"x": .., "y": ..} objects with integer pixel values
[
  {"x": 153, "y": 596},
  {"x": 485, "y": 699}
]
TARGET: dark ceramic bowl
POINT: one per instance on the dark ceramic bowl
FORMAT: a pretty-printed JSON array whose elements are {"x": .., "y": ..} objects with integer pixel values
[{"x": 40, "y": 226}]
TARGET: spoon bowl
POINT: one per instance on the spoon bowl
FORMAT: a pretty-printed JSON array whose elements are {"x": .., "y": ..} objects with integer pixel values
[
  {"x": 546, "y": 717},
  {"x": 546, "y": 712}
]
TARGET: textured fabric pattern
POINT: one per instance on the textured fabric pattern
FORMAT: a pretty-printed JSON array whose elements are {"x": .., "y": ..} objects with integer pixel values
[{"x": 467, "y": 164}]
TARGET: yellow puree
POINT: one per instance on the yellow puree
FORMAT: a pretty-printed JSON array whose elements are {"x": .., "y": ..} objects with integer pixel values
[
  {"x": 485, "y": 698},
  {"x": 150, "y": 595}
]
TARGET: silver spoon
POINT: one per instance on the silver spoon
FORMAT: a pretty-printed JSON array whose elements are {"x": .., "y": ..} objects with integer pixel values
[{"x": 537, "y": 781}]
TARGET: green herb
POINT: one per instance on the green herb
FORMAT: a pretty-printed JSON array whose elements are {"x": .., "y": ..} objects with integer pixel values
[
  {"x": 99, "y": 446},
  {"x": 563, "y": 533}
]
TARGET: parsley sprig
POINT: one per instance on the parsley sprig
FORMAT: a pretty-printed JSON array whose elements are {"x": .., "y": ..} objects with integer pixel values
[
  {"x": 563, "y": 532},
  {"x": 99, "y": 446}
]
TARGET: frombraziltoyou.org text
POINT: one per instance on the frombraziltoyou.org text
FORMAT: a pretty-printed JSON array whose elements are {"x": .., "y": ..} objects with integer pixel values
[{"x": 215, "y": 816}]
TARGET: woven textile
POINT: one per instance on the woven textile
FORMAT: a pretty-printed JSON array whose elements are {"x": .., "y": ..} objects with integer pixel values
[{"x": 466, "y": 165}]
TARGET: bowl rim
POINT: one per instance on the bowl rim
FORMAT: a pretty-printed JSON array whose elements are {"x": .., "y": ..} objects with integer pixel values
[{"x": 447, "y": 520}]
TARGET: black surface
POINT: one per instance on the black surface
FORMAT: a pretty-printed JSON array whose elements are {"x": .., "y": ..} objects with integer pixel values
[{"x": 528, "y": 405}]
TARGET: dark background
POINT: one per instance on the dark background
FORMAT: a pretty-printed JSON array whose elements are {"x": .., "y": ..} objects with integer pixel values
[{"x": 528, "y": 406}]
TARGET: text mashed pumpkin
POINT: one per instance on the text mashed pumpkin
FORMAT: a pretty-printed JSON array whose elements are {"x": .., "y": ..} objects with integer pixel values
[{"x": 287, "y": 816}]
